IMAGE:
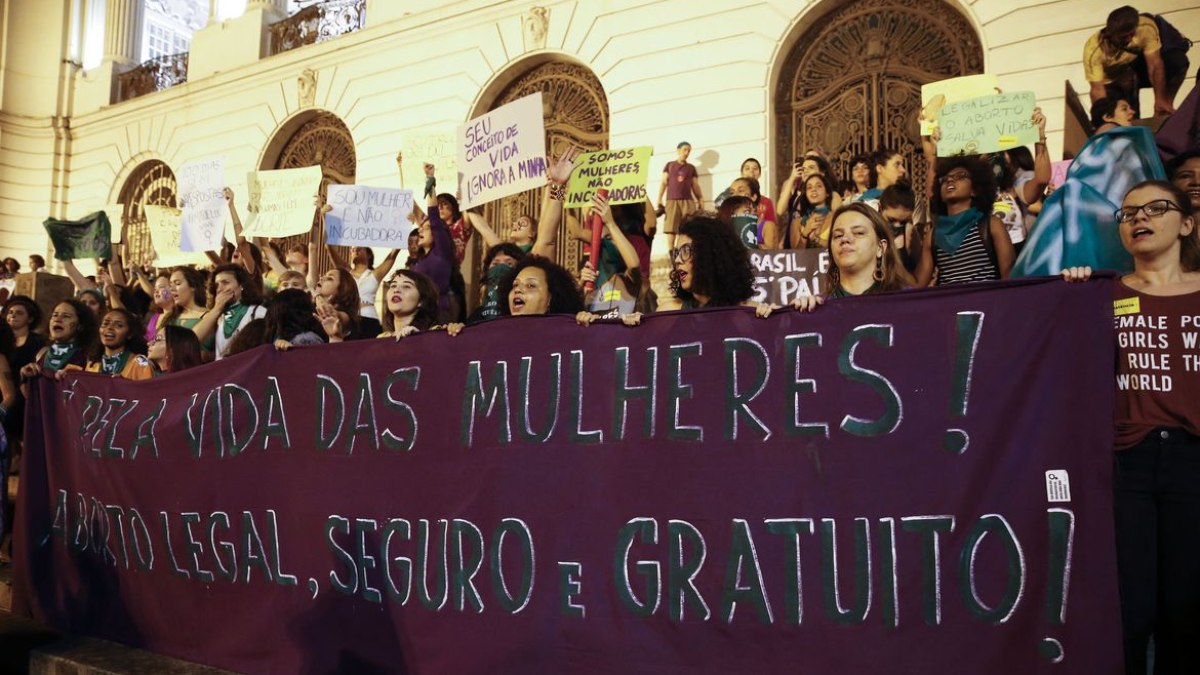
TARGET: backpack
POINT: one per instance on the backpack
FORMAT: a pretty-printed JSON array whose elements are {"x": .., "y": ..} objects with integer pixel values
[{"x": 1169, "y": 35}]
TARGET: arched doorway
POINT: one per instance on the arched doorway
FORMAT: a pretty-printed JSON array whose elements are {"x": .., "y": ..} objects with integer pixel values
[
  {"x": 852, "y": 82},
  {"x": 321, "y": 140},
  {"x": 151, "y": 183},
  {"x": 575, "y": 112}
]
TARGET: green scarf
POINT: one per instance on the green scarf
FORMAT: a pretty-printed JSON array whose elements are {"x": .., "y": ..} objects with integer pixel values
[
  {"x": 952, "y": 230},
  {"x": 233, "y": 318},
  {"x": 59, "y": 355},
  {"x": 113, "y": 365}
]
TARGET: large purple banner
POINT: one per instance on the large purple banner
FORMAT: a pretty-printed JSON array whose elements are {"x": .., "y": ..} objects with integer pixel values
[{"x": 915, "y": 482}]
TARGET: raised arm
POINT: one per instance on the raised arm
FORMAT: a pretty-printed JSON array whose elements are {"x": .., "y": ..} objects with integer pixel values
[
  {"x": 81, "y": 282},
  {"x": 477, "y": 221},
  {"x": 243, "y": 246},
  {"x": 1042, "y": 170},
  {"x": 628, "y": 253},
  {"x": 381, "y": 270},
  {"x": 552, "y": 202}
]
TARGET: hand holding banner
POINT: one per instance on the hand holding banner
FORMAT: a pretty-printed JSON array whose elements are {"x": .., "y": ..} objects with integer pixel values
[
  {"x": 622, "y": 172},
  {"x": 368, "y": 216},
  {"x": 166, "y": 232},
  {"x": 502, "y": 152},
  {"x": 88, "y": 237},
  {"x": 987, "y": 124},
  {"x": 202, "y": 196},
  {"x": 281, "y": 201}
]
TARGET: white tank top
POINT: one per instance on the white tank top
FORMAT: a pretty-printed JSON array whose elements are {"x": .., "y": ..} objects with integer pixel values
[{"x": 368, "y": 288}]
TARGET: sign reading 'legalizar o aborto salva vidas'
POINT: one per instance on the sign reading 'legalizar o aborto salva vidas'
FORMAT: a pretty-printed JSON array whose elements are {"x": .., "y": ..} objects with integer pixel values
[{"x": 891, "y": 483}]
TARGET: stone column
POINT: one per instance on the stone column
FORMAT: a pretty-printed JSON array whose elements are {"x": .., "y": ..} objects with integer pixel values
[{"x": 123, "y": 31}]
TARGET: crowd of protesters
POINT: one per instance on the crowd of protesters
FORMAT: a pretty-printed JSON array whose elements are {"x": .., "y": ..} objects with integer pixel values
[{"x": 139, "y": 323}]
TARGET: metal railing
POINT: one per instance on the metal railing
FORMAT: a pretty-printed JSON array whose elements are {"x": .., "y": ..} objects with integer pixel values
[
  {"x": 317, "y": 23},
  {"x": 159, "y": 73}
]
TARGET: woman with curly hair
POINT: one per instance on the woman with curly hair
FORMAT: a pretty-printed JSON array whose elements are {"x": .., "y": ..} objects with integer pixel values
[
  {"x": 967, "y": 242},
  {"x": 174, "y": 348},
  {"x": 72, "y": 330},
  {"x": 540, "y": 286},
  {"x": 121, "y": 350},
  {"x": 709, "y": 267}
]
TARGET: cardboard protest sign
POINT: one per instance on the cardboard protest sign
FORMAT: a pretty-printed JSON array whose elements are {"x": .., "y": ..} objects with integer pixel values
[
  {"x": 622, "y": 172},
  {"x": 166, "y": 232},
  {"x": 782, "y": 276},
  {"x": 1058, "y": 172},
  {"x": 88, "y": 237},
  {"x": 368, "y": 216},
  {"x": 502, "y": 152},
  {"x": 437, "y": 148},
  {"x": 988, "y": 124},
  {"x": 202, "y": 198},
  {"x": 935, "y": 96},
  {"x": 281, "y": 201},
  {"x": 536, "y": 496}
]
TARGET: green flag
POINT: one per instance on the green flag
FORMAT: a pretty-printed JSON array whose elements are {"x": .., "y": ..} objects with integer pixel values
[{"x": 88, "y": 237}]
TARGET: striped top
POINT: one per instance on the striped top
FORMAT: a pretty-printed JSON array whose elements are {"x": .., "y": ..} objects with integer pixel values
[{"x": 969, "y": 263}]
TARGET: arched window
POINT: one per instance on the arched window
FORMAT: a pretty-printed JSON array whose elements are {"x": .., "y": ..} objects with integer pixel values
[{"x": 152, "y": 182}]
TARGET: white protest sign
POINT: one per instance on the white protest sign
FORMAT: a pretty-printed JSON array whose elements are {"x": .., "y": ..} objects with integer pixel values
[
  {"x": 166, "y": 231},
  {"x": 281, "y": 201},
  {"x": 502, "y": 152},
  {"x": 202, "y": 197},
  {"x": 368, "y": 216},
  {"x": 437, "y": 148}
]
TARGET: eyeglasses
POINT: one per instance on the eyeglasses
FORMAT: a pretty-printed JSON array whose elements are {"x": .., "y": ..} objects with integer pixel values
[
  {"x": 955, "y": 177},
  {"x": 158, "y": 339},
  {"x": 1153, "y": 209},
  {"x": 682, "y": 253}
]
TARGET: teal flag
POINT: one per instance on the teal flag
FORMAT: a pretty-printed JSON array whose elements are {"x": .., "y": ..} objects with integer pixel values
[
  {"x": 1077, "y": 226},
  {"x": 88, "y": 237}
]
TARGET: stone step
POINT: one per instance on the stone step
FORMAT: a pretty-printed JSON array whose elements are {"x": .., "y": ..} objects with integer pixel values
[{"x": 75, "y": 655}]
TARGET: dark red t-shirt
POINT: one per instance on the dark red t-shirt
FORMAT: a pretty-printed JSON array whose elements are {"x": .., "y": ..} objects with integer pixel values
[
  {"x": 679, "y": 180},
  {"x": 1158, "y": 369}
]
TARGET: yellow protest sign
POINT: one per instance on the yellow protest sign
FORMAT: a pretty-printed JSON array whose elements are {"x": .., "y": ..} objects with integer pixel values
[
  {"x": 281, "y": 201},
  {"x": 622, "y": 172}
]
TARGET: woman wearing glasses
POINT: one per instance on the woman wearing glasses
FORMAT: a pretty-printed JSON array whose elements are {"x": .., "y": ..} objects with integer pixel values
[
  {"x": 1156, "y": 469},
  {"x": 710, "y": 268},
  {"x": 174, "y": 348},
  {"x": 967, "y": 242}
]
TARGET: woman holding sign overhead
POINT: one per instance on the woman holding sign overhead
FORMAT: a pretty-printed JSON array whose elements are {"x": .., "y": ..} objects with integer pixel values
[
  {"x": 1156, "y": 467},
  {"x": 967, "y": 241}
]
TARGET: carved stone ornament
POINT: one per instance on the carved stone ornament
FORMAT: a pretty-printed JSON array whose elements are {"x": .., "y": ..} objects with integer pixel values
[
  {"x": 536, "y": 23},
  {"x": 306, "y": 88},
  {"x": 852, "y": 83}
]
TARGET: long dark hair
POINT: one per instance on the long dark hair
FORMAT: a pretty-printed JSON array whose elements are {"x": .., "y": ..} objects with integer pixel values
[
  {"x": 720, "y": 264},
  {"x": 290, "y": 313},
  {"x": 806, "y": 206},
  {"x": 87, "y": 325},
  {"x": 194, "y": 278},
  {"x": 427, "y": 307},
  {"x": 565, "y": 296},
  {"x": 346, "y": 298},
  {"x": 455, "y": 213},
  {"x": 983, "y": 183},
  {"x": 135, "y": 340},
  {"x": 183, "y": 348},
  {"x": 250, "y": 293}
]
